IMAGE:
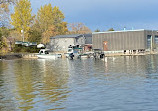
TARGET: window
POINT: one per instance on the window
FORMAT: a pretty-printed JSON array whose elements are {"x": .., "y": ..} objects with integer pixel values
[
  {"x": 156, "y": 39},
  {"x": 148, "y": 41},
  {"x": 69, "y": 50},
  {"x": 46, "y": 52},
  {"x": 41, "y": 52}
]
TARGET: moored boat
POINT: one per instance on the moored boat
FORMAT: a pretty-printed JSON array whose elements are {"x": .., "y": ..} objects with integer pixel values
[{"x": 45, "y": 54}]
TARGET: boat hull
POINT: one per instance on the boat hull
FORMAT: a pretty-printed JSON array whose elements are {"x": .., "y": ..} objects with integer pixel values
[{"x": 49, "y": 56}]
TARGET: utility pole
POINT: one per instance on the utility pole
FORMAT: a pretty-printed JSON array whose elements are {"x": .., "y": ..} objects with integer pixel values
[
  {"x": 22, "y": 31},
  {"x": 151, "y": 47}
]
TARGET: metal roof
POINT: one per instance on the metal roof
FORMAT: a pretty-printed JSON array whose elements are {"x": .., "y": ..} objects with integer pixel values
[
  {"x": 67, "y": 36},
  {"x": 72, "y": 36},
  {"x": 119, "y": 31}
]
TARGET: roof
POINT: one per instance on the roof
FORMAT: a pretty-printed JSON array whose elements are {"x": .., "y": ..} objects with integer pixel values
[
  {"x": 72, "y": 36},
  {"x": 88, "y": 37},
  {"x": 119, "y": 31},
  {"x": 67, "y": 36}
]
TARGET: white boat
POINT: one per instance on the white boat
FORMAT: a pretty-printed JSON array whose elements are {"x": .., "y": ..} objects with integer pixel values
[
  {"x": 72, "y": 53},
  {"x": 83, "y": 56},
  {"x": 44, "y": 54}
]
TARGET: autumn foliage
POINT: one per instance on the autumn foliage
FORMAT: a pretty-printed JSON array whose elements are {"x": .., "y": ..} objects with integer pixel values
[{"x": 48, "y": 22}]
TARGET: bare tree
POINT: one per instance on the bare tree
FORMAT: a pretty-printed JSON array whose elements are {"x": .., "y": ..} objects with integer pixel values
[
  {"x": 5, "y": 12},
  {"x": 78, "y": 28},
  {"x": 7, "y": 1}
]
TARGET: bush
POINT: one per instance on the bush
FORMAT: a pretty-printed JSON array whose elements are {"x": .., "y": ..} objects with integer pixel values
[{"x": 30, "y": 49}]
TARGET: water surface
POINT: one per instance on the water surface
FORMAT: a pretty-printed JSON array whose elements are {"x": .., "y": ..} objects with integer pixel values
[{"x": 120, "y": 84}]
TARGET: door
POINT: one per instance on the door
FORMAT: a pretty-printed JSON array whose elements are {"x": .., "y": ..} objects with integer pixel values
[{"x": 105, "y": 46}]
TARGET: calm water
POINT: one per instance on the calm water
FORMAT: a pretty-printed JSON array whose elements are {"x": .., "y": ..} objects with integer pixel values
[{"x": 120, "y": 84}]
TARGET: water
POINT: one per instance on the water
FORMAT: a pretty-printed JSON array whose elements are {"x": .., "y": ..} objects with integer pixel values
[{"x": 120, "y": 84}]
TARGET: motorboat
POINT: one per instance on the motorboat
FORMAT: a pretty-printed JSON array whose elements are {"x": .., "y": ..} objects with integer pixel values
[
  {"x": 45, "y": 54},
  {"x": 73, "y": 52},
  {"x": 83, "y": 56}
]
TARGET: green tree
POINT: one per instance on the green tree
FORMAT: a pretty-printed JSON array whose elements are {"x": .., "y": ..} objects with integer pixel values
[
  {"x": 97, "y": 30},
  {"x": 34, "y": 36},
  {"x": 4, "y": 32},
  {"x": 111, "y": 29},
  {"x": 3, "y": 40},
  {"x": 22, "y": 18}
]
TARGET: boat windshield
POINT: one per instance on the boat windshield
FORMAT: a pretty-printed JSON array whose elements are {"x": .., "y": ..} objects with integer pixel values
[
  {"x": 69, "y": 50},
  {"x": 46, "y": 52},
  {"x": 41, "y": 52}
]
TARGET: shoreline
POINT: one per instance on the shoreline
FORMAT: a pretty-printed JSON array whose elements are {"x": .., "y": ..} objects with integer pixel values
[{"x": 13, "y": 56}]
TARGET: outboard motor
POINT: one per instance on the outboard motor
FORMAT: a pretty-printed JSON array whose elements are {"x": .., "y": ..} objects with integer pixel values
[
  {"x": 102, "y": 56},
  {"x": 71, "y": 55}
]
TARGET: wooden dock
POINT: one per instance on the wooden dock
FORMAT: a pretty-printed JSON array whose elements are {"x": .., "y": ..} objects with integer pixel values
[{"x": 30, "y": 56}]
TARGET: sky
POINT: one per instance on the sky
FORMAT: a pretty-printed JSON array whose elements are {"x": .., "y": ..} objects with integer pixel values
[{"x": 106, "y": 14}]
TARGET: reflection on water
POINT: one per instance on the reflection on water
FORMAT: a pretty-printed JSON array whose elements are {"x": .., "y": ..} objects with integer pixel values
[{"x": 120, "y": 83}]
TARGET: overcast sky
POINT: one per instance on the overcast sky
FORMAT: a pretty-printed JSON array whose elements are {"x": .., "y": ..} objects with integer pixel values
[{"x": 105, "y": 14}]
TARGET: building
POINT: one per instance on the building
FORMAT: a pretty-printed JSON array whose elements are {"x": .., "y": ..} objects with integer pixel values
[
  {"x": 126, "y": 41},
  {"x": 61, "y": 43},
  {"x": 88, "y": 42}
]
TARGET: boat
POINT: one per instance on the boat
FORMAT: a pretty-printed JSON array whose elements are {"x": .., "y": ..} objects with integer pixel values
[
  {"x": 45, "y": 54},
  {"x": 83, "y": 56},
  {"x": 73, "y": 52}
]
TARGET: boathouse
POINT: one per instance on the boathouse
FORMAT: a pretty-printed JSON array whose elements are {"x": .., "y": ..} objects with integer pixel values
[
  {"x": 61, "y": 43},
  {"x": 126, "y": 41}
]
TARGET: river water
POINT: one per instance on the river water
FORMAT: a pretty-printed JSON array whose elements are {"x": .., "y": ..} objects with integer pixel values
[{"x": 117, "y": 84}]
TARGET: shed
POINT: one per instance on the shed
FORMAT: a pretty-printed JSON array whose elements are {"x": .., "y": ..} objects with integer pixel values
[{"x": 62, "y": 42}]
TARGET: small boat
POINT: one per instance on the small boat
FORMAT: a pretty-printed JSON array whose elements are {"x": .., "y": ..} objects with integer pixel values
[
  {"x": 83, "y": 56},
  {"x": 72, "y": 52},
  {"x": 45, "y": 54}
]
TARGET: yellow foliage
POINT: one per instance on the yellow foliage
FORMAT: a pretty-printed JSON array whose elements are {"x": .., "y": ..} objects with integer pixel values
[
  {"x": 22, "y": 18},
  {"x": 45, "y": 17},
  {"x": 4, "y": 48},
  {"x": 49, "y": 33},
  {"x": 58, "y": 16},
  {"x": 4, "y": 7},
  {"x": 50, "y": 21}
]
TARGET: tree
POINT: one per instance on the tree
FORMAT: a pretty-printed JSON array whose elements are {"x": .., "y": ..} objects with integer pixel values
[
  {"x": 97, "y": 30},
  {"x": 4, "y": 14},
  {"x": 22, "y": 18},
  {"x": 45, "y": 17},
  {"x": 34, "y": 36},
  {"x": 111, "y": 29},
  {"x": 49, "y": 33},
  {"x": 3, "y": 39},
  {"x": 58, "y": 21},
  {"x": 78, "y": 28},
  {"x": 7, "y": 1},
  {"x": 51, "y": 22}
]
